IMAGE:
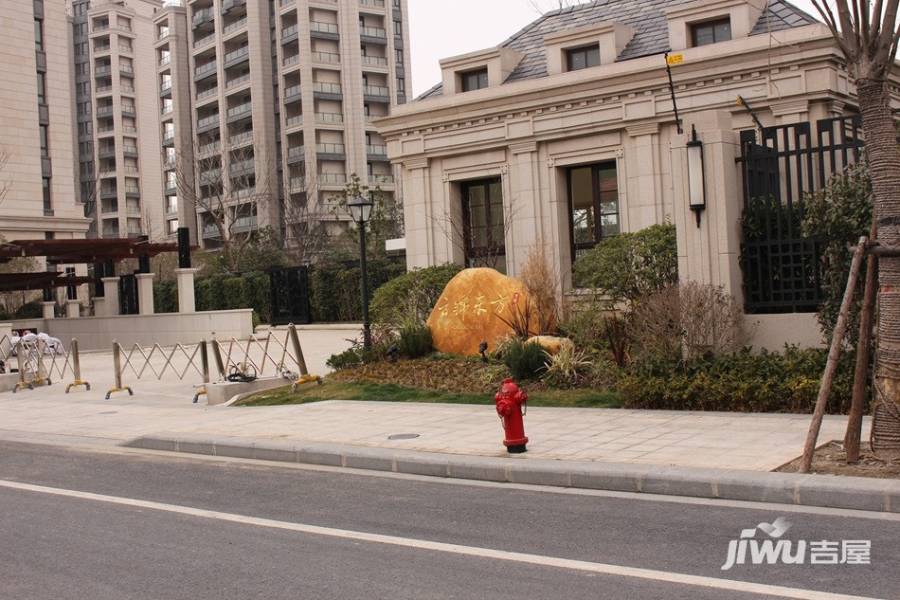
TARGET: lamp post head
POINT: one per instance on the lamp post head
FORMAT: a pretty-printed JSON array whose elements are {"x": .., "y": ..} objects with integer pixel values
[{"x": 360, "y": 209}]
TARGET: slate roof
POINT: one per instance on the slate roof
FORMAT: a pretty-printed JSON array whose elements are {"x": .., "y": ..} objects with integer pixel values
[{"x": 645, "y": 16}]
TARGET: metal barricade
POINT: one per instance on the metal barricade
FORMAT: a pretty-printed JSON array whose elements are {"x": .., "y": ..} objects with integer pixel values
[
  {"x": 282, "y": 354},
  {"x": 40, "y": 363},
  {"x": 233, "y": 359}
]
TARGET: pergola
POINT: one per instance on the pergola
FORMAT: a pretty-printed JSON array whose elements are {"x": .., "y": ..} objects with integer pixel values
[{"x": 103, "y": 253}]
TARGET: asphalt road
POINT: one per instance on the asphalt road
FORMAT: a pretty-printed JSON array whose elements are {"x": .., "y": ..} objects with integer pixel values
[{"x": 96, "y": 525}]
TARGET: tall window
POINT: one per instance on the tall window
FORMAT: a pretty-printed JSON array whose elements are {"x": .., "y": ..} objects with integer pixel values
[
  {"x": 593, "y": 205},
  {"x": 583, "y": 58},
  {"x": 39, "y": 34},
  {"x": 474, "y": 80},
  {"x": 483, "y": 224},
  {"x": 48, "y": 201},
  {"x": 42, "y": 88},
  {"x": 45, "y": 142},
  {"x": 711, "y": 32}
]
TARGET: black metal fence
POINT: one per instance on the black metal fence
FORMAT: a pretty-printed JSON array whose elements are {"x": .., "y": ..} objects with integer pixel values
[
  {"x": 782, "y": 268},
  {"x": 289, "y": 288}
]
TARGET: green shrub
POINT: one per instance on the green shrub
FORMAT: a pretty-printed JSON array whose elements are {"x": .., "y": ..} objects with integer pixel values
[
  {"x": 629, "y": 266},
  {"x": 567, "y": 368},
  {"x": 335, "y": 288},
  {"x": 524, "y": 360},
  {"x": 30, "y": 310},
  {"x": 415, "y": 341},
  {"x": 742, "y": 382},
  {"x": 411, "y": 295},
  {"x": 165, "y": 297}
]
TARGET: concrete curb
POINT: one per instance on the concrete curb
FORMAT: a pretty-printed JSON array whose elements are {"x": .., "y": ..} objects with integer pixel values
[{"x": 855, "y": 493}]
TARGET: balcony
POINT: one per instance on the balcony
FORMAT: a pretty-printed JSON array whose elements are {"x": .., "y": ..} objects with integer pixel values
[
  {"x": 329, "y": 151},
  {"x": 165, "y": 60},
  {"x": 108, "y": 192},
  {"x": 104, "y": 111},
  {"x": 210, "y": 176},
  {"x": 204, "y": 40},
  {"x": 205, "y": 70},
  {"x": 132, "y": 191},
  {"x": 208, "y": 123},
  {"x": 237, "y": 56},
  {"x": 208, "y": 149},
  {"x": 376, "y": 35},
  {"x": 379, "y": 93},
  {"x": 102, "y": 70},
  {"x": 103, "y": 90},
  {"x": 327, "y": 91},
  {"x": 328, "y": 31},
  {"x": 297, "y": 185},
  {"x": 296, "y": 154},
  {"x": 130, "y": 151},
  {"x": 330, "y": 118},
  {"x": 289, "y": 61},
  {"x": 240, "y": 139},
  {"x": 242, "y": 168},
  {"x": 381, "y": 179},
  {"x": 102, "y": 49},
  {"x": 375, "y": 3},
  {"x": 110, "y": 232},
  {"x": 374, "y": 61},
  {"x": 126, "y": 69},
  {"x": 128, "y": 111},
  {"x": 236, "y": 26},
  {"x": 132, "y": 170},
  {"x": 292, "y": 94},
  {"x": 124, "y": 49},
  {"x": 295, "y": 121},
  {"x": 202, "y": 16},
  {"x": 237, "y": 81},
  {"x": 244, "y": 224},
  {"x": 332, "y": 179},
  {"x": 239, "y": 112},
  {"x": 331, "y": 58},
  {"x": 289, "y": 34},
  {"x": 168, "y": 139},
  {"x": 165, "y": 88},
  {"x": 227, "y": 5}
]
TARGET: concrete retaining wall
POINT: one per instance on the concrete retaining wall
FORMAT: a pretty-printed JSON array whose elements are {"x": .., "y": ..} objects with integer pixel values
[
  {"x": 165, "y": 329},
  {"x": 772, "y": 332}
]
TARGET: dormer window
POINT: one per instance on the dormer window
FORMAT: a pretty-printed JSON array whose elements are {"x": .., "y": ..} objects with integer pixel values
[
  {"x": 474, "y": 80},
  {"x": 711, "y": 32},
  {"x": 583, "y": 57}
]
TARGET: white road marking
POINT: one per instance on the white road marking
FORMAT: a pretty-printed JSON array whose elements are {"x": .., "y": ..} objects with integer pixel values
[{"x": 374, "y": 538}]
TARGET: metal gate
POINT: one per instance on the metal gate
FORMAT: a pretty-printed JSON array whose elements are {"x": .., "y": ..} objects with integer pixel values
[
  {"x": 783, "y": 269},
  {"x": 128, "y": 295},
  {"x": 289, "y": 289}
]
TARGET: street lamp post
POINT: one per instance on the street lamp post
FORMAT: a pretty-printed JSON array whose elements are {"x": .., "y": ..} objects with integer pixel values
[{"x": 361, "y": 210}]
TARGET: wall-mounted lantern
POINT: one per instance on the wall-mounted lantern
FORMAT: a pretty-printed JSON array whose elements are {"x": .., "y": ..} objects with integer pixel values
[{"x": 696, "y": 175}]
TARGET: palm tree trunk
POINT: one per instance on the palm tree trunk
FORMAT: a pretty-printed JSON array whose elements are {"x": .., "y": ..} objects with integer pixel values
[{"x": 884, "y": 168}]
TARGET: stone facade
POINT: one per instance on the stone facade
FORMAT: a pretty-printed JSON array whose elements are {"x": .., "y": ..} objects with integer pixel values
[{"x": 529, "y": 131}]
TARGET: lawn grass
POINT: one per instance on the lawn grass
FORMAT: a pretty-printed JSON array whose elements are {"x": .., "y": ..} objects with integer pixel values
[{"x": 380, "y": 392}]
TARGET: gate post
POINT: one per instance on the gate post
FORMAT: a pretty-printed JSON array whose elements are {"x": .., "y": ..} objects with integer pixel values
[
  {"x": 710, "y": 253},
  {"x": 117, "y": 367},
  {"x": 76, "y": 368}
]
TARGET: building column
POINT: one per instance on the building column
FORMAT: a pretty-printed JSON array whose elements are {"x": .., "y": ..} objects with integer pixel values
[
  {"x": 49, "y": 309},
  {"x": 418, "y": 215},
  {"x": 186, "y": 299},
  {"x": 73, "y": 309},
  {"x": 710, "y": 253},
  {"x": 644, "y": 181},
  {"x": 111, "y": 295},
  {"x": 145, "y": 293},
  {"x": 525, "y": 204}
]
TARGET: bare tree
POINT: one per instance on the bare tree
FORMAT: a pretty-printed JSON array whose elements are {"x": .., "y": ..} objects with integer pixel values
[
  {"x": 459, "y": 231},
  {"x": 868, "y": 37},
  {"x": 229, "y": 196},
  {"x": 305, "y": 235}
]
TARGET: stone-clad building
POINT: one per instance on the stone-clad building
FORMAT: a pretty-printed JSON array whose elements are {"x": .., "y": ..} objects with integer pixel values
[{"x": 567, "y": 133}]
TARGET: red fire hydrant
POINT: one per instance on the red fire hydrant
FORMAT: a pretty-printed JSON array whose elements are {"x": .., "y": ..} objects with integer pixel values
[{"x": 510, "y": 402}]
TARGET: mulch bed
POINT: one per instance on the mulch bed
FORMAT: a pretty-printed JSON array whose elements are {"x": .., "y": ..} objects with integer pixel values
[{"x": 830, "y": 459}]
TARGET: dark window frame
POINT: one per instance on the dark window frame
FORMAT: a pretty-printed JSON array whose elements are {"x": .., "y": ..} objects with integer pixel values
[
  {"x": 481, "y": 76},
  {"x": 493, "y": 249},
  {"x": 712, "y": 25},
  {"x": 597, "y": 204},
  {"x": 572, "y": 53}
]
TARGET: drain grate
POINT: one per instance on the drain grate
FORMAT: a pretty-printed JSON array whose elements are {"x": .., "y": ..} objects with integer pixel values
[{"x": 403, "y": 436}]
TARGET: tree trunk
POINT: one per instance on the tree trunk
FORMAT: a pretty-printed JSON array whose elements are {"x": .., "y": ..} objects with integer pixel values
[
  {"x": 834, "y": 354},
  {"x": 863, "y": 354},
  {"x": 883, "y": 157}
]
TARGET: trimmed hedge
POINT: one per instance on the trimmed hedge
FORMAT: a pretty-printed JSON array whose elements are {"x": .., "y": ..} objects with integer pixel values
[
  {"x": 412, "y": 292},
  {"x": 743, "y": 382}
]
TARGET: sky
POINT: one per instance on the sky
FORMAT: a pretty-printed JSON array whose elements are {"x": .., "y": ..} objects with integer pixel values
[{"x": 442, "y": 29}]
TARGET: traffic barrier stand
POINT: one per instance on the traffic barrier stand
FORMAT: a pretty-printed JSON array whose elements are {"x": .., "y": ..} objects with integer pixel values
[
  {"x": 117, "y": 368},
  {"x": 76, "y": 368}
]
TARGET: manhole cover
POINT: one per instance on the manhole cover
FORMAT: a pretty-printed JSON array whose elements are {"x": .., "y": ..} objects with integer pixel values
[{"x": 403, "y": 436}]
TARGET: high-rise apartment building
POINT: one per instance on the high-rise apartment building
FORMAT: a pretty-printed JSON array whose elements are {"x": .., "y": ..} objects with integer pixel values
[
  {"x": 283, "y": 97},
  {"x": 37, "y": 139}
]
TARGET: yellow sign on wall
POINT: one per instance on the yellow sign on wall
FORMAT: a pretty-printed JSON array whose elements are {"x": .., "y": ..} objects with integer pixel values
[{"x": 675, "y": 59}]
